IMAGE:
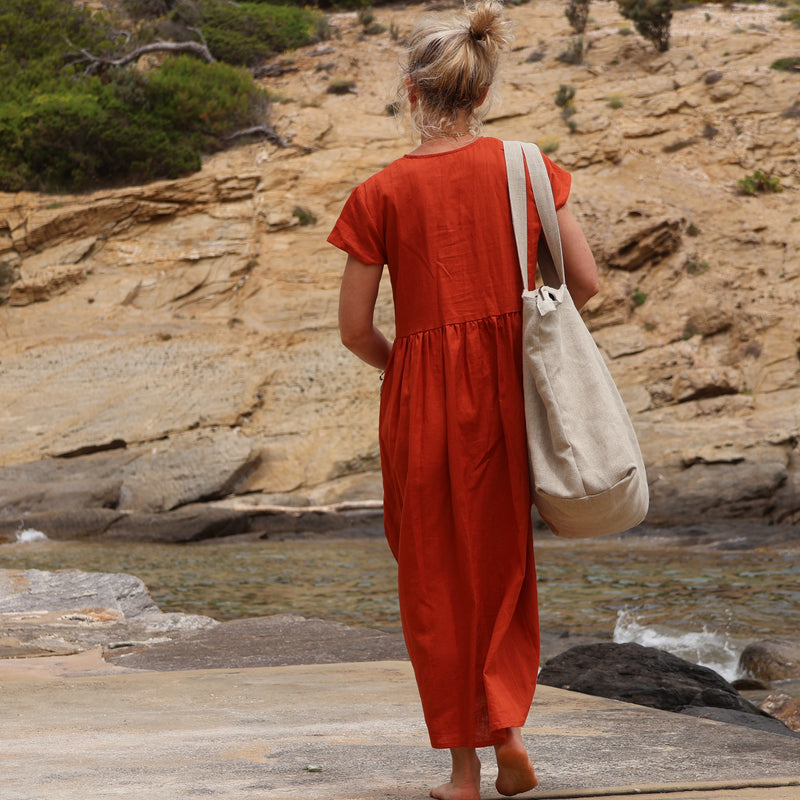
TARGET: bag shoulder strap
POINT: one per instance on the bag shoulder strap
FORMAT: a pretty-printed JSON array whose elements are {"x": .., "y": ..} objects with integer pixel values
[{"x": 550, "y": 255}]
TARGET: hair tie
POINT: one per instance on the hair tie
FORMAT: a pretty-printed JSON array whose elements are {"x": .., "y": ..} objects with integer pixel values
[{"x": 478, "y": 37}]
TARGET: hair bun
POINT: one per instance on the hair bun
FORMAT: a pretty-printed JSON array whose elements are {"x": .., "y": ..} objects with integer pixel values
[{"x": 486, "y": 23}]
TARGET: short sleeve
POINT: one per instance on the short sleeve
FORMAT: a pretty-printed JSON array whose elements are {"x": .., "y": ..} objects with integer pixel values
[
  {"x": 560, "y": 180},
  {"x": 360, "y": 229}
]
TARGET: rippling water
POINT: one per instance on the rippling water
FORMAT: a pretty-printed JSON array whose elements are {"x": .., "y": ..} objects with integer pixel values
[{"x": 703, "y": 603}]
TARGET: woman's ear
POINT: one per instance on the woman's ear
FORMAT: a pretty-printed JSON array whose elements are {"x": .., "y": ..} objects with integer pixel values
[{"x": 482, "y": 98}]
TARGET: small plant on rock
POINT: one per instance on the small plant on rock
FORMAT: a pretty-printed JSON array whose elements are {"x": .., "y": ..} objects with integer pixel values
[
  {"x": 548, "y": 145},
  {"x": 578, "y": 13},
  {"x": 574, "y": 52},
  {"x": 651, "y": 18},
  {"x": 759, "y": 182},
  {"x": 564, "y": 95},
  {"x": 791, "y": 64},
  {"x": 342, "y": 86}
]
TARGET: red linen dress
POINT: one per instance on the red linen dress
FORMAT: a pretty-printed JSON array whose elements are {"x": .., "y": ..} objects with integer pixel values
[{"x": 452, "y": 431}]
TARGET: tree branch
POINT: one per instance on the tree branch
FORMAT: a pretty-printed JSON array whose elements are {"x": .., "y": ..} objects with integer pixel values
[{"x": 99, "y": 64}]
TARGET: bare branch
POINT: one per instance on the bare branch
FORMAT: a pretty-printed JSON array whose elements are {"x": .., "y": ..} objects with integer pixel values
[
  {"x": 99, "y": 64},
  {"x": 267, "y": 131}
]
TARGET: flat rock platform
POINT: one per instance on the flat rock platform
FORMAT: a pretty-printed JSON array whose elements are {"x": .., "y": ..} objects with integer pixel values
[{"x": 78, "y": 728}]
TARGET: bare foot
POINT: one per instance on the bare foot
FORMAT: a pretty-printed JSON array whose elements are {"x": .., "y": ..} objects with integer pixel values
[
  {"x": 465, "y": 779},
  {"x": 514, "y": 770}
]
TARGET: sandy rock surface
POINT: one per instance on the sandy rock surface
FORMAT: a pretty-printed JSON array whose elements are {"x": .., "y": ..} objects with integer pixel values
[{"x": 172, "y": 343}]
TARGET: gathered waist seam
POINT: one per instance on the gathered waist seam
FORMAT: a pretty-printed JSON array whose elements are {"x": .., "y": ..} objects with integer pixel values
[{"x": 461, "y": 323}]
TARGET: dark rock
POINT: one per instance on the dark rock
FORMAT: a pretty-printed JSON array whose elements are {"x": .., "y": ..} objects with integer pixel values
[
  {"x": 280, "y": 640},
  {"x": 749, "y": 685},
  {"x": 191, "y": 523},
  {"x": 642, "y": 675},
  {"x": 772, "y": 660}
]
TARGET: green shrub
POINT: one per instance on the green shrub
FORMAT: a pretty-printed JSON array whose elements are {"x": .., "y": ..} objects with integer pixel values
[
  {"x": 248, "y": 33},
  {"x": 135, "y": 127},
  {"x": 564, "y": 95},
  {"x": 695, "y": 265},
  {"x": 791, "y": 15},
  {"x": 651, "y": 18},
  {"x": 639, "y": 298},
  {"x": 791, "y": 64},
  {"x": 759, "y": 182},
  {"x": 63, "y": 131},
  {"x": 574, "y": 52},
  {"x": 578, "y": 13},
  {"x": 148, "y": 9}
]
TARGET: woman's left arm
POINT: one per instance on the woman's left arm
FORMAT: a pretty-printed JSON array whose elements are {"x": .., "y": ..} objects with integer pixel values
[{"x": 357, "y": 297}]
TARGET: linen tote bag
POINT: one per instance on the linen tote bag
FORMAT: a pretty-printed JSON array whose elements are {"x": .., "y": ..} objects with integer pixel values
[{"x": 588, "y": 476}]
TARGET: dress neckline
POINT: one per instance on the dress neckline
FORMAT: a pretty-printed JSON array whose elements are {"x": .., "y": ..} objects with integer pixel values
[{"x": 446, "y": 152}]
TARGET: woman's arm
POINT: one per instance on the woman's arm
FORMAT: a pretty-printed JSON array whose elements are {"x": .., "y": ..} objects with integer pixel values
[
  {"x": 357, "y": 297},
  {"x": 579, "y": 264}
]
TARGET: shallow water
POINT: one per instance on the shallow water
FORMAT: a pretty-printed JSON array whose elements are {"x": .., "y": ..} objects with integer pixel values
[{"x": 701, "y": 603}]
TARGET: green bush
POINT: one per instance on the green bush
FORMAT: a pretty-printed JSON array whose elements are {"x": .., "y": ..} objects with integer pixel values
[
  {"x": 63, "y": 131},
  {"x": 578, "y": 13},
  {"x": 791, "y": 64},
  {"x": 574, "y": 52},
  {"x": 759, "y": 182},
  {"x": 133, "y": 128},
  {"x": 651, "y": 18},
  {"x": 791, "y": 15},
  {"x": 248, "y": 33}
]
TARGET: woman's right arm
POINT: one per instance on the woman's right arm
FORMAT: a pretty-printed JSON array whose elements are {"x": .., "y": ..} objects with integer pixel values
[
  {"x": 579, "y": 263},
  {"x": 357, "y": 297}
]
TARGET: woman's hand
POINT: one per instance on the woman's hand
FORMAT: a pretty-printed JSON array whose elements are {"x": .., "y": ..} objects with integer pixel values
[
  {"x": 357, "y": 297},
  {"x": 579, "y": 263}
]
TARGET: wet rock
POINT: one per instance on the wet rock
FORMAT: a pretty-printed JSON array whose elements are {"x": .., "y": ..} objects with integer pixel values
[
  {"x": 784, "y": 707},
  {"x": 48, "y": 613},
  {"x": 645, "y": 676},
  {"x": 190, "y": 523},
  {"x": 772, "y": 660},
  {"x": 280, "y": 640}
]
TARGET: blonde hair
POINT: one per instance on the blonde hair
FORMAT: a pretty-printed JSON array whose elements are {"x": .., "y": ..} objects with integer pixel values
[{"x": 451, "y": 63}]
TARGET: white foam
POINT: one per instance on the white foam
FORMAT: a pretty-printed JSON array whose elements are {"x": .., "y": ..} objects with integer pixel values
[
  {"x": 30, "y": 535},
  {"x": 707, "y": 648}
]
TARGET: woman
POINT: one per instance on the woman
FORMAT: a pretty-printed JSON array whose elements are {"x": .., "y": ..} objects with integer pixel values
[{"x": 452, "y": 425}]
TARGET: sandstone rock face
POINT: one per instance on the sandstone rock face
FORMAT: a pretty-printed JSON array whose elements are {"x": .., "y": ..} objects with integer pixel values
[
  {"x": 772, "y": 660},
  {"x": 49, "y": 613},
  {"x": 172, "y": 343}
]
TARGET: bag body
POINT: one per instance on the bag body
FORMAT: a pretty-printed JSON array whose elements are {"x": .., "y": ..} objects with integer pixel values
[{"x": 587, "y": 472}]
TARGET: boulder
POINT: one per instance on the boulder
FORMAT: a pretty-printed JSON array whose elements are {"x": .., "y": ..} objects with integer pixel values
[
  {"x": 772, "y": 660},
  {"x": 784, "y": 707},
  {"x": 646, "y": 676},
  {"x": 57, "y": 613}
]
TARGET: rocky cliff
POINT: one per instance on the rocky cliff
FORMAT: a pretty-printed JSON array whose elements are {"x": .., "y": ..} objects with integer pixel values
[{"x": 175, "y": 344}]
